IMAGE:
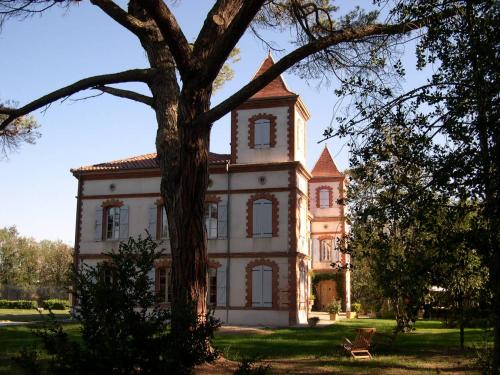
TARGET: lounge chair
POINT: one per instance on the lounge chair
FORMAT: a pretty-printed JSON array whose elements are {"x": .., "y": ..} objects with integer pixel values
[{"x": 359, "y": 348}]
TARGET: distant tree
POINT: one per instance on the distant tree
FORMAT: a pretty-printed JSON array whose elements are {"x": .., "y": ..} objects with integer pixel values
[{"x": 29, "y": 265}]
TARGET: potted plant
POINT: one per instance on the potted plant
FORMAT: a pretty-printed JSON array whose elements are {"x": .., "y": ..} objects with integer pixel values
[
  {"x": 313, "y": 321},
  {"x": 334, "y": 308},
  {"x": 355, "y": 309}
]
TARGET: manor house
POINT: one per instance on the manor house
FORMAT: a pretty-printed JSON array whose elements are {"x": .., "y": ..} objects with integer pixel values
[{"x": 271, "y": 223}]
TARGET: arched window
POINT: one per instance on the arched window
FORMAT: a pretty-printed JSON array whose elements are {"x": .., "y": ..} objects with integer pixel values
[
  {"x": 325, "y": 250},
  {"x": 324, "y": 197},
  {"x": 262, "y": 133},
  {"x": 111, "y": 221},
  {"x": 262, "y": 218},
  {"x": 303, "y": 286},
  {"x": 164, "y": 284},
  {"x": 262, "y": 286}
]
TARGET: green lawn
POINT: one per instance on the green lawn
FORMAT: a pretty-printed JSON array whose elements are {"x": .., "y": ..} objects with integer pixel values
[
  {"x": 430, "y": 349},
  {"x": 20, "y": 315}
]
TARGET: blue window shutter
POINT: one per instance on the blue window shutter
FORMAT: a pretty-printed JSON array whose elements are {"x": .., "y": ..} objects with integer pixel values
[
  {"x": 267, "y": 286},
  {"x": 222, "y": 220},
  {"x": 257, "y": 286},
  {"x": 153, "y": 212},
  {"x": 221, "y": 286},
  {"x": 123, "y": 222},
  {"x": 98, "y": 224}
]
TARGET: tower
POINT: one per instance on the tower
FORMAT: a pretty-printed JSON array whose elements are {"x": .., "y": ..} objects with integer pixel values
[{"x": 270, "y": 126}]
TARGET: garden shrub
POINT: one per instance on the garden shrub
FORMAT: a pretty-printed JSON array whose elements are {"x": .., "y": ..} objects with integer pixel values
[
  {"x": 56, "y": 304},
  {"x": 356, "y": 307},
  {"x": 17, "y": 304},
  {"x": 124, "y": 329}
]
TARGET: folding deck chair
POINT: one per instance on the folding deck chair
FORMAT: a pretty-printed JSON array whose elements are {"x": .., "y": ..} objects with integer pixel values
[{"x": 359, "y": 348}]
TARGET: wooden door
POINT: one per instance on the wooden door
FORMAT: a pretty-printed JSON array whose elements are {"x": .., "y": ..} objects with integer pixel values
[{"x": 327, "y": 293}]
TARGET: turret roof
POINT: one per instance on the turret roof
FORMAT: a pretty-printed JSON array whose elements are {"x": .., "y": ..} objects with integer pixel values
[{"x": 325, "y": 166}]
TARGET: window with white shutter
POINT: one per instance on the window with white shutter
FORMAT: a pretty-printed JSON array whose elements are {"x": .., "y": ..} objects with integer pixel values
[
  {"x": 262, "y": 133},
  {"x": 211, "y": 219},
  {"x": 262, "y": 288},
  {"x": 324, "y": 198},
  {"x": 262, "y": 218},
  {"x": 164, "y": 223},
  {"x": 152, "y": 217}
]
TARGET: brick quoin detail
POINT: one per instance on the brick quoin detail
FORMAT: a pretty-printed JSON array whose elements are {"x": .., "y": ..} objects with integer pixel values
[
  {"x": 330, "y": 195},
  {"x": 275, "y": 218},
  {"x": 248, "y": 280},
  {"x": 272, "y": 129}
]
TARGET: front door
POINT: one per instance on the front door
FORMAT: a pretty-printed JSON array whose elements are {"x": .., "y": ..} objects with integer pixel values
[{"x": 327, "y": 293}]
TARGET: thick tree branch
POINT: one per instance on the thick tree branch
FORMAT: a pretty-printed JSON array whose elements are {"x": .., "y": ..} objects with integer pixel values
[
  {"x": 135, "y": 75},
  {"x": 172, "y": 33},
  {"x": 121, "y": 16},
  {"x": 225, "y": 25},
  {"x": 127, "y": 94},
  {"x": 338, "y": 37}
]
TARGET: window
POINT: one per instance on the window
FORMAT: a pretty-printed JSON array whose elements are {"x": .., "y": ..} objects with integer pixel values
[
  {"x": 164, "y": 285},
  {"x": 212, "y": 286},
  {"x": 164, "y": 223},
  {"x": 325, "y": 250},
  {"x": 211, "y": 217},
  {"x": 262, "y": 291},
  {"x": 113, "y": 223},
  {"x": 262, "y": 218},
  {"x": 324, "y": 198},
  {"x": 262, "y": 133},
  {"x": 303, "y": 283}
]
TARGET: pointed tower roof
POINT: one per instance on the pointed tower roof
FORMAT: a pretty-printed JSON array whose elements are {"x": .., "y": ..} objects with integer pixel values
[
  {"x": 325, "y": 166},
  {"x": 277, "y": 88}
]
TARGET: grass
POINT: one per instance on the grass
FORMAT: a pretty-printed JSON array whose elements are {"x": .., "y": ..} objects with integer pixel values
[
  {"x": 31, "y": 315},
  {"x": 430, "y": 349}
]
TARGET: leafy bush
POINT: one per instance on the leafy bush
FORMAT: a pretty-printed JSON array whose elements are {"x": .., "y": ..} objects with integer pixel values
[
  {"x": 313, "y": 321},
  {"x": 124, "y": 330},
  {"x": 56, "y": 304},
  {"x": 17, "y": 304},
  {"x": 335, "y": 307},
  {"x": 356, "y": 307}
]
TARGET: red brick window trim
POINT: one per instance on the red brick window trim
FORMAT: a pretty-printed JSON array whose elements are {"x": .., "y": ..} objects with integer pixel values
[
  {"x": 319, "y": 189},
  {"x": 275, "y": 216},
  {"x": 274, "y": 281},
  {"x": 210, "y": 198},
  {"x": 272, "y": 129}
]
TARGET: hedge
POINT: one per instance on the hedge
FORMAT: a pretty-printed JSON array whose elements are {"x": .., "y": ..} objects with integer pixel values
[
  {"x": 17, "y": 304},
  {"x": 56, "y": 304}
]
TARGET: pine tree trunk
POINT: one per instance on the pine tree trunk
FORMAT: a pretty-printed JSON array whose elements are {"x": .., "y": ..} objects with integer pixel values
[{"x": 183, "y": 186}]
